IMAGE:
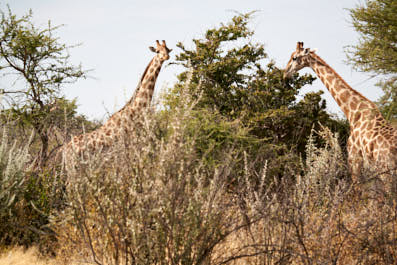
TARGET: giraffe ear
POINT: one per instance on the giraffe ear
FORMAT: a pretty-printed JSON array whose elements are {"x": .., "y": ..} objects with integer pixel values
[{"x": 152, "y": 49}]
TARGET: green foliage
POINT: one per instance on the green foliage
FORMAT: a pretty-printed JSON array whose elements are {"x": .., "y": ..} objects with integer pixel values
[
  {"x": 24, "y": 197},
  {"x": 228, "y": 75},
  {"x": 388, "y": 101},
  {"x": 26, "y": 221},
  {"x": 35, "y": 115},
  {"x": 12, "y": 167},
  {"x": 376, "y": 22},
  {"x": 41, "y": 67}
]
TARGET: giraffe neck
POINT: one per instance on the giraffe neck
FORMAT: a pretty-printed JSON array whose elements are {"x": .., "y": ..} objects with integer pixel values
[
  {"x": 353, "y": 104},
  {"x": 138, "y": 102},
  {"x": 121, "y": 120},
  {"x": 144, "y": 91}
]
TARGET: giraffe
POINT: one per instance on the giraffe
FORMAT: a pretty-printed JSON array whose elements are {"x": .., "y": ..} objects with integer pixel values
[
  {"x": 373, "y": 140},
  {"x": 121, "y": 122}
]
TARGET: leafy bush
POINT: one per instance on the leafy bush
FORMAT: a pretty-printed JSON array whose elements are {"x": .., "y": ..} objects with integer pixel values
[
  {"x": 13, "y": 161},
  {"x": 25, "y": 196},
  {"x": 231, "y": 76}
]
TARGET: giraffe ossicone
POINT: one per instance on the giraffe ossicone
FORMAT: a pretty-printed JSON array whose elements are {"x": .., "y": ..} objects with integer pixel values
[
  {"x": 373, "y": 140},
  {"x": 120, "y": 122}
]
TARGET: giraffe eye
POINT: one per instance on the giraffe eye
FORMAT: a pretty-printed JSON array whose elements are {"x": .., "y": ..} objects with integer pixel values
[{"x": 294, "y": 58}]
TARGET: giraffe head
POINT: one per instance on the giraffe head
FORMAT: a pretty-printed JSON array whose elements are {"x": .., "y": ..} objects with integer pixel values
[
  {"x": 300, "y": 58},
  {"x": 161, "y": 50}
]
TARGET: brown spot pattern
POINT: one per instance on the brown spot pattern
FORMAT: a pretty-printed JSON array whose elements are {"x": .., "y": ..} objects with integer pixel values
[{"x": 344, "y": 96}]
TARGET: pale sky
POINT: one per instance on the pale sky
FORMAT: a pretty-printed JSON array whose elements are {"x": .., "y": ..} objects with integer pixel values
[{"x": 115, "y": 36}]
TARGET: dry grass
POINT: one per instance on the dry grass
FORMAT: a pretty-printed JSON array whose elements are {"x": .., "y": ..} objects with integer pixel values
[
  {"x": 31, "y": 256},
  {"x": 19, "y": 256}
]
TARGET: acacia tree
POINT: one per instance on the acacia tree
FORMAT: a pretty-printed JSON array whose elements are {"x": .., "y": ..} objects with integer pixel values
[
  {"x": 376, "y": 52},
  {"x": 36, "y": 66}
]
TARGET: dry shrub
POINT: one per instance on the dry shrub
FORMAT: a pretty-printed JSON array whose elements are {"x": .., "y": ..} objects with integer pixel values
[
  {"x": 153, "y": 200},
  {"x": 316, "y": 218},
  {"x": 150, "y": 200}
]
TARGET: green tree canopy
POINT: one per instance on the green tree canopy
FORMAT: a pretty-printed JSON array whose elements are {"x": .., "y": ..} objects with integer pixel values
[
  {"x": 376, "y": 52},
  {"x": 231, "y": 76},
  {"x": 37, "y": 67}
]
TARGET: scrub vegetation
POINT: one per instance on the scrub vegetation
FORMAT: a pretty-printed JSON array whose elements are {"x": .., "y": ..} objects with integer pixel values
[{"x": 228, "y": 167}]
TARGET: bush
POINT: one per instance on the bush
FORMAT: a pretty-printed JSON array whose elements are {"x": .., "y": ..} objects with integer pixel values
[
  {"x": 26, "y": 197},
  {"x": 156, "y": 202},
  {"x": 207, "y": 179},
  {"x": 316, "y": 218},
  {"x": 13, "y": 162}
]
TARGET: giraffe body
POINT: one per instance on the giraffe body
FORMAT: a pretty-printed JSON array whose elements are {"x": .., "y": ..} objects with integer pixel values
[
  {"x": 121, "y": 122},
  {"x": 373, "y": 140}
]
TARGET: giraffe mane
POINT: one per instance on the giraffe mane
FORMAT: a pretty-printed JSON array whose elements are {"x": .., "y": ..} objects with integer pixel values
[
  {"x": 136, "y": 90},
  {"x": 139, "y": 84},
  {"x": 320, "y": 60}
]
